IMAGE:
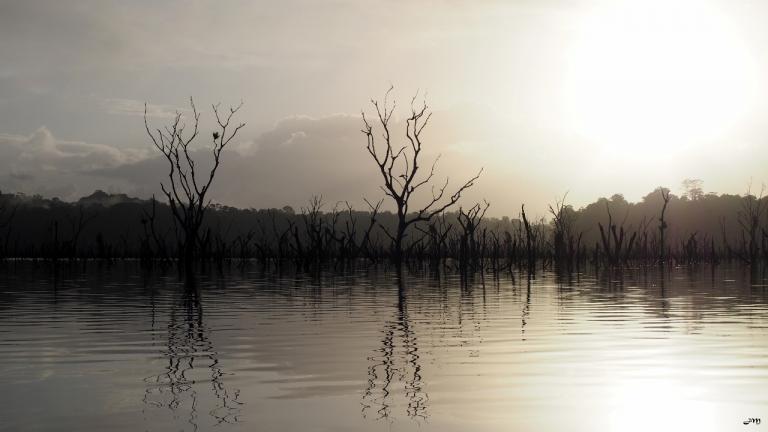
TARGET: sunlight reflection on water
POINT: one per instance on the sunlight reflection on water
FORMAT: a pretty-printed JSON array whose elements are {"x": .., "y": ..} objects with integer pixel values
[{"x": 97, "y": 349}]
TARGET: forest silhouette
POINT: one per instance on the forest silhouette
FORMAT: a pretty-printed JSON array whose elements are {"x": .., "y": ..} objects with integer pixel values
[
  {"x": 438, "y": 228},
  {"x": 106, "y": 226}
]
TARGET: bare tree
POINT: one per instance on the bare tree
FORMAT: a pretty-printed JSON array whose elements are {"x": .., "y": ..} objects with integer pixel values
[
  {"x": 562, "y": 221},
  {"x": 613, "y": 236},
  {"x": 369, "y": 244},
  {"x": 749, "y": 218},
  {"x": 470, "y": 221},
  {"x": 530, "y": 242},
  {"x": 187, "y": 189},
  {"x": 399, "y": 169},
  {"x": 77, "y": 225},
  {"x": 149, "y": 224},
  {"x": 663, "y": 223},
  {"x": 7, "y": 214}
]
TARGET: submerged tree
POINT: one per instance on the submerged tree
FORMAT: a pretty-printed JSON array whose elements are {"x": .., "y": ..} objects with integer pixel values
[
  {"x": 399, "y": 168},
  {"x": 566, "y": 245},
  {"x": 663, "y": 224},
  {"x": 186, "y": 188},
  {"x": 469, "y": 220},
  {"x": 749, "y": 217}
]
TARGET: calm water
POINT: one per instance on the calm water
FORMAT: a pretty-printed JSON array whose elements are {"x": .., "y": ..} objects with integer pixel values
[{"x": 110, "y": 349}]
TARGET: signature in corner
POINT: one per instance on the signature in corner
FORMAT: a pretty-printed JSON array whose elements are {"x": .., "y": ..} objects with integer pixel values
[{"x": 752, "y": 420}]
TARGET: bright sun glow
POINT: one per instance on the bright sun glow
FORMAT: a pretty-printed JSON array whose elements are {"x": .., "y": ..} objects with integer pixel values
[
  {"x": 661, "y": 405},
  {"x": 649, "y": 75}
]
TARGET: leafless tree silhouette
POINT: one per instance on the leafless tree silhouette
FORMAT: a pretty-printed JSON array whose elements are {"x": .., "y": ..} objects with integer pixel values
[
  {"x": 399, "y": 169},
  {"x": 185, "y": 188},
  {"x": 470, "y": 220},
  {"x": 565, "y": 243},
  {"x": 663, "y": 223},
  {"x": 7, "y": 214},
  {"x": 749, "y": 218},
  {"x": 530, "y": 241},
  {"x": 151, "y": 232},
  {"x": 613, "y": 236}
]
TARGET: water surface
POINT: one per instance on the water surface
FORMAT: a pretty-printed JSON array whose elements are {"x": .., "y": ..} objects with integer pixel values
[{"x": 98, "y": 348}]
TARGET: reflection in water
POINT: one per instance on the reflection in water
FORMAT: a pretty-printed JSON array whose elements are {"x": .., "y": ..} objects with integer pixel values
[
  {"x": 526, "y": 308},
  {"x": 192, "y": 359},
  {"x": 394, "y": 364},
  {"x": 599, "y": 350}
]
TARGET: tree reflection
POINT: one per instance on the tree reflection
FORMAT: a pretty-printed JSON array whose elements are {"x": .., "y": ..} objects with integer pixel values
[
  {"x": 192, "y": 362},
  {"x": 526, "y": 309},
  {"x": 396, "y": 364}
]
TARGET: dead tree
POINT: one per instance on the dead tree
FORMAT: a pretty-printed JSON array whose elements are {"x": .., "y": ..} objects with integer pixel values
[
  {"x": 749, "y": 218},
  {"x": 369, "y": 245},
  {"x": 616, "y": 250},
  {"x": 399, "y": 168},
  {"x": 7, "y": 214},
  {"x": 564, "y": 243},
  {"x": 643, "y": 239},
  {"x": 347, "y": 239},
  {"x": 76, "y": 225},
  {"x": 281, "y": 236},
  {"x": 437, "y": 232},
  {"x": 663, "y": 224},
  {"x": 243, "y": 243},
  {"x": 150, "y": 232},
  {"x": 530, "y": 242},
  {"x": 469, "y": 221},
  {"x": 313, "y": 224},
  {"x": 186, "y": 188}
]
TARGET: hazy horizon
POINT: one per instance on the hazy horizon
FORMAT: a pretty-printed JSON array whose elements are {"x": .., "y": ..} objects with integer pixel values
[{"x": 591, "y": 98}]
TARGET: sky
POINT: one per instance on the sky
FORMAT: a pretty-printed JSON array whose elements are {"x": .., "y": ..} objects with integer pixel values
[{"x": 589, "y": 98}]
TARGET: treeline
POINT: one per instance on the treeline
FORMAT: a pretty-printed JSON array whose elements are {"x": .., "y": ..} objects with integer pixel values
[{"x": 610, "y": 231}]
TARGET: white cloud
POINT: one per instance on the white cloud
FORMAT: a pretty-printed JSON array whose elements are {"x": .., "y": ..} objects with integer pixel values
[{"x": 41, "y": 163}]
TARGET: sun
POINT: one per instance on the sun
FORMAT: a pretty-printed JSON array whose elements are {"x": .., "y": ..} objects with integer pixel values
[{"x": 650, "y": 76}]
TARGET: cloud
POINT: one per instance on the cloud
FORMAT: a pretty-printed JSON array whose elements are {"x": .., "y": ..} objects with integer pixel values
[
  {"x": 298, "y": 157},
  {"x": 302, "y": 156},
  {"x": 41, "y": 163}
]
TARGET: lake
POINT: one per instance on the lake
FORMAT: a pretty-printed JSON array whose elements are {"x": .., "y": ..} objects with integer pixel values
[{"x": 95, "y": 347}]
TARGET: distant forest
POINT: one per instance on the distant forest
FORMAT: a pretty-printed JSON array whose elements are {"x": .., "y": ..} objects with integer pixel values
[
  {"x": 184, "y": 227},
  {"x": 115, "y": 226}
]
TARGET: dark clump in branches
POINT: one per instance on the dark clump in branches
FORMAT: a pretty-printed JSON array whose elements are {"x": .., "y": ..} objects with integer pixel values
[
  {"x": 399, "y": 167},
  {"x": 186, "y": 188}
]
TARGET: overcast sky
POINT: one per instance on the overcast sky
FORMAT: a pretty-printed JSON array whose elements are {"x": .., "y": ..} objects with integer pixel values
[{"x": 587, "y": 97}]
